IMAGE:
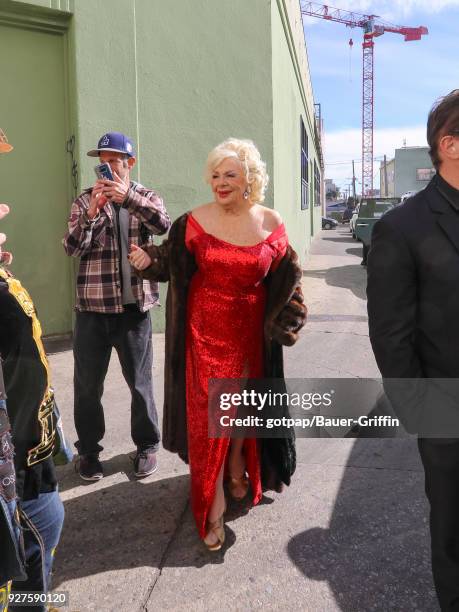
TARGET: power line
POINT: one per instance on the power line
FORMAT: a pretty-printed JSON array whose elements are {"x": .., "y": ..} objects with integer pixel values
[{"x": 357, "y": 161}]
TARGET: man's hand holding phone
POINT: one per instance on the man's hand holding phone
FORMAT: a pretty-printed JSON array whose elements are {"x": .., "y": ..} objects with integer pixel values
[
  {"x": 116, "y": 190},
  {"x": 97, "y": 200}
]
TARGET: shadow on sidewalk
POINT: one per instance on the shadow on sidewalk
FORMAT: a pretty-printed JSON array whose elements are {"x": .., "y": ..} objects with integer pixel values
[
  {"x": 375, "y": 555},
  {"x": 347, "y": 277},
  {"x": 132, "y": 524},
  {"x": 357, "y": 251},
  {"x": 341, "y": 238}
]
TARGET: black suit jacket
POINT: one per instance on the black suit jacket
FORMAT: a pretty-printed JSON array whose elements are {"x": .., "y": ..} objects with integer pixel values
[{"x": 413, "y": 310}]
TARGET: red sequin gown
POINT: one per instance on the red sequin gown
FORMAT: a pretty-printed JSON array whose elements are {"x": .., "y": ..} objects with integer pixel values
[{"x": 224, "y": 339}]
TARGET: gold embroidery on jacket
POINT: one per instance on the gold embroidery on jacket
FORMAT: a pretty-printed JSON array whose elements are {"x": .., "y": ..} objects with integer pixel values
[{"x": 46, "y": 419}]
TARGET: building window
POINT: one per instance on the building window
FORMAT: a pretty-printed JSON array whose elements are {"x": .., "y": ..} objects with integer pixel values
[
  {"x": 317, "y": 184},
  {"x": 304, "y": 167},
  {"x": 425, "y": 174}
]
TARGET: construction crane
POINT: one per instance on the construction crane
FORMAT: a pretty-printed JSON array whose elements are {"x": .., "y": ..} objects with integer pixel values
[{"x": 371, "y": 30}]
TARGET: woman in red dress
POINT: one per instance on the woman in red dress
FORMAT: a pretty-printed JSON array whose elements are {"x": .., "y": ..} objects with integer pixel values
[{"x": 235, "y": 242}]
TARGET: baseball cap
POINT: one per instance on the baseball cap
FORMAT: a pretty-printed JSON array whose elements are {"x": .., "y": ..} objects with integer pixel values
[
  {"x": 113, "y": 141},
  {"x": 5, "y": 146}
]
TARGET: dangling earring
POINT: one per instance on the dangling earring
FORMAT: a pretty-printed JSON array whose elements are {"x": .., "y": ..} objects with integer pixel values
[{"x": 246, "y": 193}]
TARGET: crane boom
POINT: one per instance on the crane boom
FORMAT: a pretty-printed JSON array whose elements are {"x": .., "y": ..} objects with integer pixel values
[
  {"x": 371, "y": 30},
  {"x": 349, "y": 18}
]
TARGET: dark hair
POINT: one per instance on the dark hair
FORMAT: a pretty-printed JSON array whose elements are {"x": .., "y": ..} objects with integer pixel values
[{"x": 443, "y": 120}]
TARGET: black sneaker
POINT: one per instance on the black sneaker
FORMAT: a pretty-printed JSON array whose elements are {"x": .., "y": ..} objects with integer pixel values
[
  {"x": 90, "y": 467},
  {"x": 145, "y": 463}
]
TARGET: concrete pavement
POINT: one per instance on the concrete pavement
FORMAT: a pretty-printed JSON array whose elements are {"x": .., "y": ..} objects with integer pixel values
[{"x": 349, "y": 534}]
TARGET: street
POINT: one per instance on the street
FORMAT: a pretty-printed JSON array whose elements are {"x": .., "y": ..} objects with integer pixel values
[{"x": 350, "y": 533}]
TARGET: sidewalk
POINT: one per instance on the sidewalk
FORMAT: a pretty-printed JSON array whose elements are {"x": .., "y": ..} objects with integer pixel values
[{"x": 350, "y": 533}]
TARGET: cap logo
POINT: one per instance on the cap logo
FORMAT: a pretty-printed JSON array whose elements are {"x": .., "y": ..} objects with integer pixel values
[
  {"x": 128, "y": 147},
  {"x": 105, "y": 141}
]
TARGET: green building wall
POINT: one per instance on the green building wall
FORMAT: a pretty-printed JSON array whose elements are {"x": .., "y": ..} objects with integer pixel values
[
  {"x": 180, "y": 77},
  {"x": 176, "y": 86},
  {"x": 292, "y": 101}
]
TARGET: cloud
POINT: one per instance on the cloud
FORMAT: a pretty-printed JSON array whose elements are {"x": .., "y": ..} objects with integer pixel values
[{"x": 341, "y": 147}]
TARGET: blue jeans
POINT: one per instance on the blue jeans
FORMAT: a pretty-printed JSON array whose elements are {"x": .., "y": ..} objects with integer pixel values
[
  {"x": 42, "y": 524},
  {"x": 11, "y": 561}
]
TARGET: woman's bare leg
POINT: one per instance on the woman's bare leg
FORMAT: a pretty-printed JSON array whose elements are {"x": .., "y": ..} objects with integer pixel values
[
  {"x": 236, "y": 461},
  {"x": 236, "y": 465},
  {"x": 218, "y": 506}
]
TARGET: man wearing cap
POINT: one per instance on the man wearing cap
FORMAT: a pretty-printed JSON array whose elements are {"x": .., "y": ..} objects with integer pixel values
[{"x": 112, "y": 303}]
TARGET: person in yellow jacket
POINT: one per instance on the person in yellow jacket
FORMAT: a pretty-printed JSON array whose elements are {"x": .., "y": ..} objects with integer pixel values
[{"x": 28, "y": 420}]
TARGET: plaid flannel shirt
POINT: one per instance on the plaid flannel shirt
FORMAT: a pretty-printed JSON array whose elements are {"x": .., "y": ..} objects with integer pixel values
[{"x": 95, "y": 242}]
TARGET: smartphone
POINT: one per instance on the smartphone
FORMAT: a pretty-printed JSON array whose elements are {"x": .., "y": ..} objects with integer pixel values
[{"x": 103, "y": 171}]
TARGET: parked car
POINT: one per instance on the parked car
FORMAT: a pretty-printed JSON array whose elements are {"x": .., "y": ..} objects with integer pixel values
[
  {"x": 328, "y": 223},
  {"x": 408, "y": 194},
  {"x": 370, "y": 210}
]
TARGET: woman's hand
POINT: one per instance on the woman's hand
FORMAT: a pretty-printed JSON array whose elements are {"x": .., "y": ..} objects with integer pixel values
[
  {"x": 5, "y": 257},
  {"x": 290, "y": 320},
  {"x": 138, "y": 258},
  {"x": 4, "y": 210}
]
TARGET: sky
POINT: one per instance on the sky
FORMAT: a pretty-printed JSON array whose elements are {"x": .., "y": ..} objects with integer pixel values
[{"x": 409, "y": 77}]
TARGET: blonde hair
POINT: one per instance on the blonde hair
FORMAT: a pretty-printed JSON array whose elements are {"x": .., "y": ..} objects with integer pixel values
[{"x": 249, "y": 156}]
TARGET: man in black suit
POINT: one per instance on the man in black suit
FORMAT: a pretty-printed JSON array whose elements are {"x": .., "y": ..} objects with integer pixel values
[{"x": 413, "y": 310}]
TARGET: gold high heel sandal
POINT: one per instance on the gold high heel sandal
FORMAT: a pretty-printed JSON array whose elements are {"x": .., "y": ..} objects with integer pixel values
[
  {"x": 236, "y": 483},
  {"x": 217, "y": 528}
]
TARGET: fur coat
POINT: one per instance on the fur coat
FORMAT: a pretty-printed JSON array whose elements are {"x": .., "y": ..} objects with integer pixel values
[{"x": 285, "y": 315}]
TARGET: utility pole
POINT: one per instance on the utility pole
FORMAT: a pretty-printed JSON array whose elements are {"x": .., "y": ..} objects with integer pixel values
[
  {"x": 386, "y": 186},
  {"x": 353, "y": 180}
]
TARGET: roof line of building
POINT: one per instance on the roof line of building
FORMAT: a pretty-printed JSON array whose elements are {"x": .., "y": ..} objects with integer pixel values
[{"x": 283, "y": 12}]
